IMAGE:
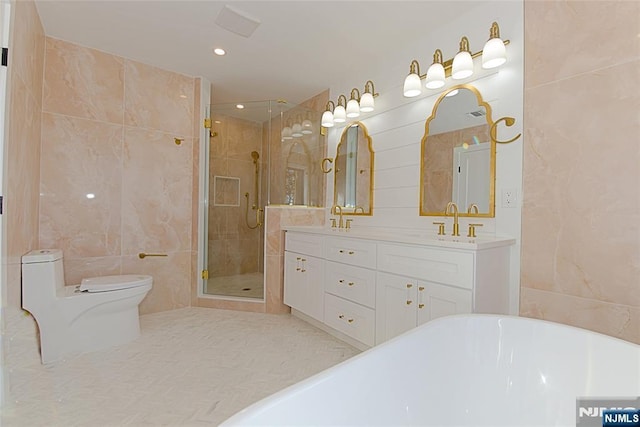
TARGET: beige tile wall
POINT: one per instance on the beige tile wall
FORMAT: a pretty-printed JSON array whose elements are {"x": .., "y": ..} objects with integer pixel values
[
  {"x": 22, "y": 155},
  {"x": 581, "y": 212},
  {"x": 108, "y": 129}
]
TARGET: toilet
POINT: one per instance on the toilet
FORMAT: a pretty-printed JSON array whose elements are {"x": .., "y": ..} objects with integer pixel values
[{"x": 98, "y": 313}]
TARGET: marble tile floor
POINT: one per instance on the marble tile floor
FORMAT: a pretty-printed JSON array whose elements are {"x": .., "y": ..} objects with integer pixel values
[
  {"x": 249, "y": 285},
  {"x": 190, "y": 367}
]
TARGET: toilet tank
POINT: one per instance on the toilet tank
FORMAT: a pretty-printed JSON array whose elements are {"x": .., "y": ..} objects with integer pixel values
[{"x": 42, "y": 274}]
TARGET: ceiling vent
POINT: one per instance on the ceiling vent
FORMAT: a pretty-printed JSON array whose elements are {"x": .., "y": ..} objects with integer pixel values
[
  {"x": 237, "y": 21},
  {"x": 477, "y": 113}
]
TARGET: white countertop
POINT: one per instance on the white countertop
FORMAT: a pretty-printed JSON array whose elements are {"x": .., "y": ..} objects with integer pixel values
[{"x": 419, "y": 238}]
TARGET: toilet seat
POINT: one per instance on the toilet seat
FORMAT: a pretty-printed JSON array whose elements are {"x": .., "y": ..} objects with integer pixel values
[{"x": 114, "y": 283}]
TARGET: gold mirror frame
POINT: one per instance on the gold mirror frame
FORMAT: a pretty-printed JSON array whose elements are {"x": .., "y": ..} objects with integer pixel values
[
  {"x": 492, "y": 178},
  {"x": 365, "y": 134}
]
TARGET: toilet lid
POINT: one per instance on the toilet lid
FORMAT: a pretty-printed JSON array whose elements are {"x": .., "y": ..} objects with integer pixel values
[{"x": 114, "y": 283}]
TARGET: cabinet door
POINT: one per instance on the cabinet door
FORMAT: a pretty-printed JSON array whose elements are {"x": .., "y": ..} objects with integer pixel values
[
  {"x": 303, "y": 284},
  {"x": 438, "y": 300},
  {"x": 395, "y": 305}
]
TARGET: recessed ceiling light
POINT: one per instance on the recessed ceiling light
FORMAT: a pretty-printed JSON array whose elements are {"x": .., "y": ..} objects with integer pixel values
[
  {"x": 219, "y": 51},
  {"x": 239, "y": 106}
]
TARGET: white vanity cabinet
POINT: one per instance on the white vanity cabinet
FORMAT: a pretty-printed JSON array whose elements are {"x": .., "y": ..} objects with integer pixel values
[
  {"x": 368, "y": 289},
  {"x": 304, "y": 274},
  {"x": 416, "y": 284},
  {"x": 350, "y": 286}
]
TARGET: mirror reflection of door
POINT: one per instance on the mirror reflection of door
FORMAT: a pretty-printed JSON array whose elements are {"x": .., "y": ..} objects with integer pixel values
[{"x": 471, "y": 175}]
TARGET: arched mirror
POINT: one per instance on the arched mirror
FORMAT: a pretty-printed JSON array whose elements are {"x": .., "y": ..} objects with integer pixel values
[
  {"x": 353, "y": 189},
  {"x": 458, "y": 157}
]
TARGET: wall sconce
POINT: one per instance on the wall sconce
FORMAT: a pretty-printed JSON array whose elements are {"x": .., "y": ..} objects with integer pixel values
[
  {"x": 412, "y": 83},
  {"x": 367, "y": 104},
  {"x": 307, "y": 125},
  {"x": 353, "y": 106},
  {"x": 357, "y": 104},
  {"x": 296, "y": 129},
  {"x": 340, "y": 113},
  {"x": 435, "y": 73},
  {"x": 287, "y": 132},
  {"x": 327, "y": 116},
  {"x": 460, "y": 67},
  {"x": 494, "y": 54}
]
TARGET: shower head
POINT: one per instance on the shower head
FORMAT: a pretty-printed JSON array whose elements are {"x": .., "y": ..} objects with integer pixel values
[{"x": 255, "y": 155}]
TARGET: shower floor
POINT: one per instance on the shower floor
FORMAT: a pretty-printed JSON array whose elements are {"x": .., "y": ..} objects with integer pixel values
[{"x": 249, "y": 285}]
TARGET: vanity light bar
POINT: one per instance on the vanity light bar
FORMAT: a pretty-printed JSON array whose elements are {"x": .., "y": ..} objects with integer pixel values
[
  {"x": 350, "y": 109},
  {"x": 459, "y": 67}
]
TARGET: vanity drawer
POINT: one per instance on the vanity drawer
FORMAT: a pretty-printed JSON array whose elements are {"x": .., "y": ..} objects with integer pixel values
[
  {"x": 304, "y": 243},
  {"x": 353, "y": 283},
  {"x": 351, "y": 319},
  {"x": 351, "y": 251},
  {"x": 443, "y": 266}
]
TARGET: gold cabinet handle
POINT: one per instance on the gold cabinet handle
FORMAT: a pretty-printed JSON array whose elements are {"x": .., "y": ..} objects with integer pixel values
[
  {"x": 351, "y": 252},
  {"x": 350, "y": 320},
  {"x": 341, "y": 316},
  {"x": 143, "y": 255},
  {"x": 409, "y": 286},
  {"x": 350, "y": 284},
  {"x": 420, "y": 305},
  {"x": 341, "y": 281},
  {"x": 409, "y": 302}
]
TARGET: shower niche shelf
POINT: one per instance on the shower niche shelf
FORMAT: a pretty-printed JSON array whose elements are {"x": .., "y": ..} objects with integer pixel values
[{"x": 226, "y": 191}]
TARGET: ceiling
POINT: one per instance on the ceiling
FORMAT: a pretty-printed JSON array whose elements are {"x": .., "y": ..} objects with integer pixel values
[{"x": 299, "y": 49}]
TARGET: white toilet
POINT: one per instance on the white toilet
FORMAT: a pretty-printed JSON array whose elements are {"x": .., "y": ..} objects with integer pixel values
[{"x": 99, "y": 313}]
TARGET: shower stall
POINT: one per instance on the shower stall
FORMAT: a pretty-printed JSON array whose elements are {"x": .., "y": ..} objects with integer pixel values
[{"x": 265, "y": 153}]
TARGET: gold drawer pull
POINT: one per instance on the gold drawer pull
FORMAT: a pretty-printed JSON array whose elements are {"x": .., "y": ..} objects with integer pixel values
[
  {"x": 351, "y": 252},
  {"x": 303, "y": 270},
  {"x": 298, "y": 258},
  {"x": 143, "y": 255},
  {"x": 421, "y": 288},
  {"x": 350, "y": 283},
  {"x": 341, "y": 281},
  {"x": 350, "y": 320},
  {"x": 420, "y": 305},
  {"x": 409, "y": 286},
  {"x": 409, "y": 302},
  {"x": 341, "y": 316},
  {"x": 303, "y": 260}
]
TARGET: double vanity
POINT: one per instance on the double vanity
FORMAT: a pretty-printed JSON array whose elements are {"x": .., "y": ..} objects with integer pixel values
[{"x": 367, "y": 287}]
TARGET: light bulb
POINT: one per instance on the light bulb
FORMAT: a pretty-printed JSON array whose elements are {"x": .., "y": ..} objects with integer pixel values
[
  {"x": 307, "y": 127},
  {"x": 367, "y": 104},
  {"x": 353, "y": 108},
  {"x": 296, "y": 130},
  {"x": 327, "y": 119},
  {"x": 462, "y": 66},
  {"x": 435, "y": 76},
  {"x": 494, "y": 53},
  {"x": 412, "y": 86},
  {"x": 339, "y": 114}
]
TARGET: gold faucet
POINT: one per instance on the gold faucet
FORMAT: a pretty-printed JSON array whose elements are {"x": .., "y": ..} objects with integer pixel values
[
  {"x": 451, "y": 205},
  {"x": 472, "y": 207},
  {"x": 339, "y": 210}
]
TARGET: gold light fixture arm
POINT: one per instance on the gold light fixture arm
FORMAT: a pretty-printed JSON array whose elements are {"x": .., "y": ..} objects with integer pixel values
[
  {"x": 323, "y": 165},
  {"x": 330, "y": 106},
  {"x": 368, "y": 88},
  {"x": 414, "y": 68},
  {"x": 357, "y": 98},
  {"x": 342, "y": 100},
  {"x": 509, "y": 121}
]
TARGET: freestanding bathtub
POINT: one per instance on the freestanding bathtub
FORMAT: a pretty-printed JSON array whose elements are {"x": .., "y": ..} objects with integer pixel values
[{"x": 467, "y": 370}]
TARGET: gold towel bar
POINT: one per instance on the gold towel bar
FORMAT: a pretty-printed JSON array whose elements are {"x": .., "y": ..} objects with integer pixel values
[{"x": 142, "y": 255}]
